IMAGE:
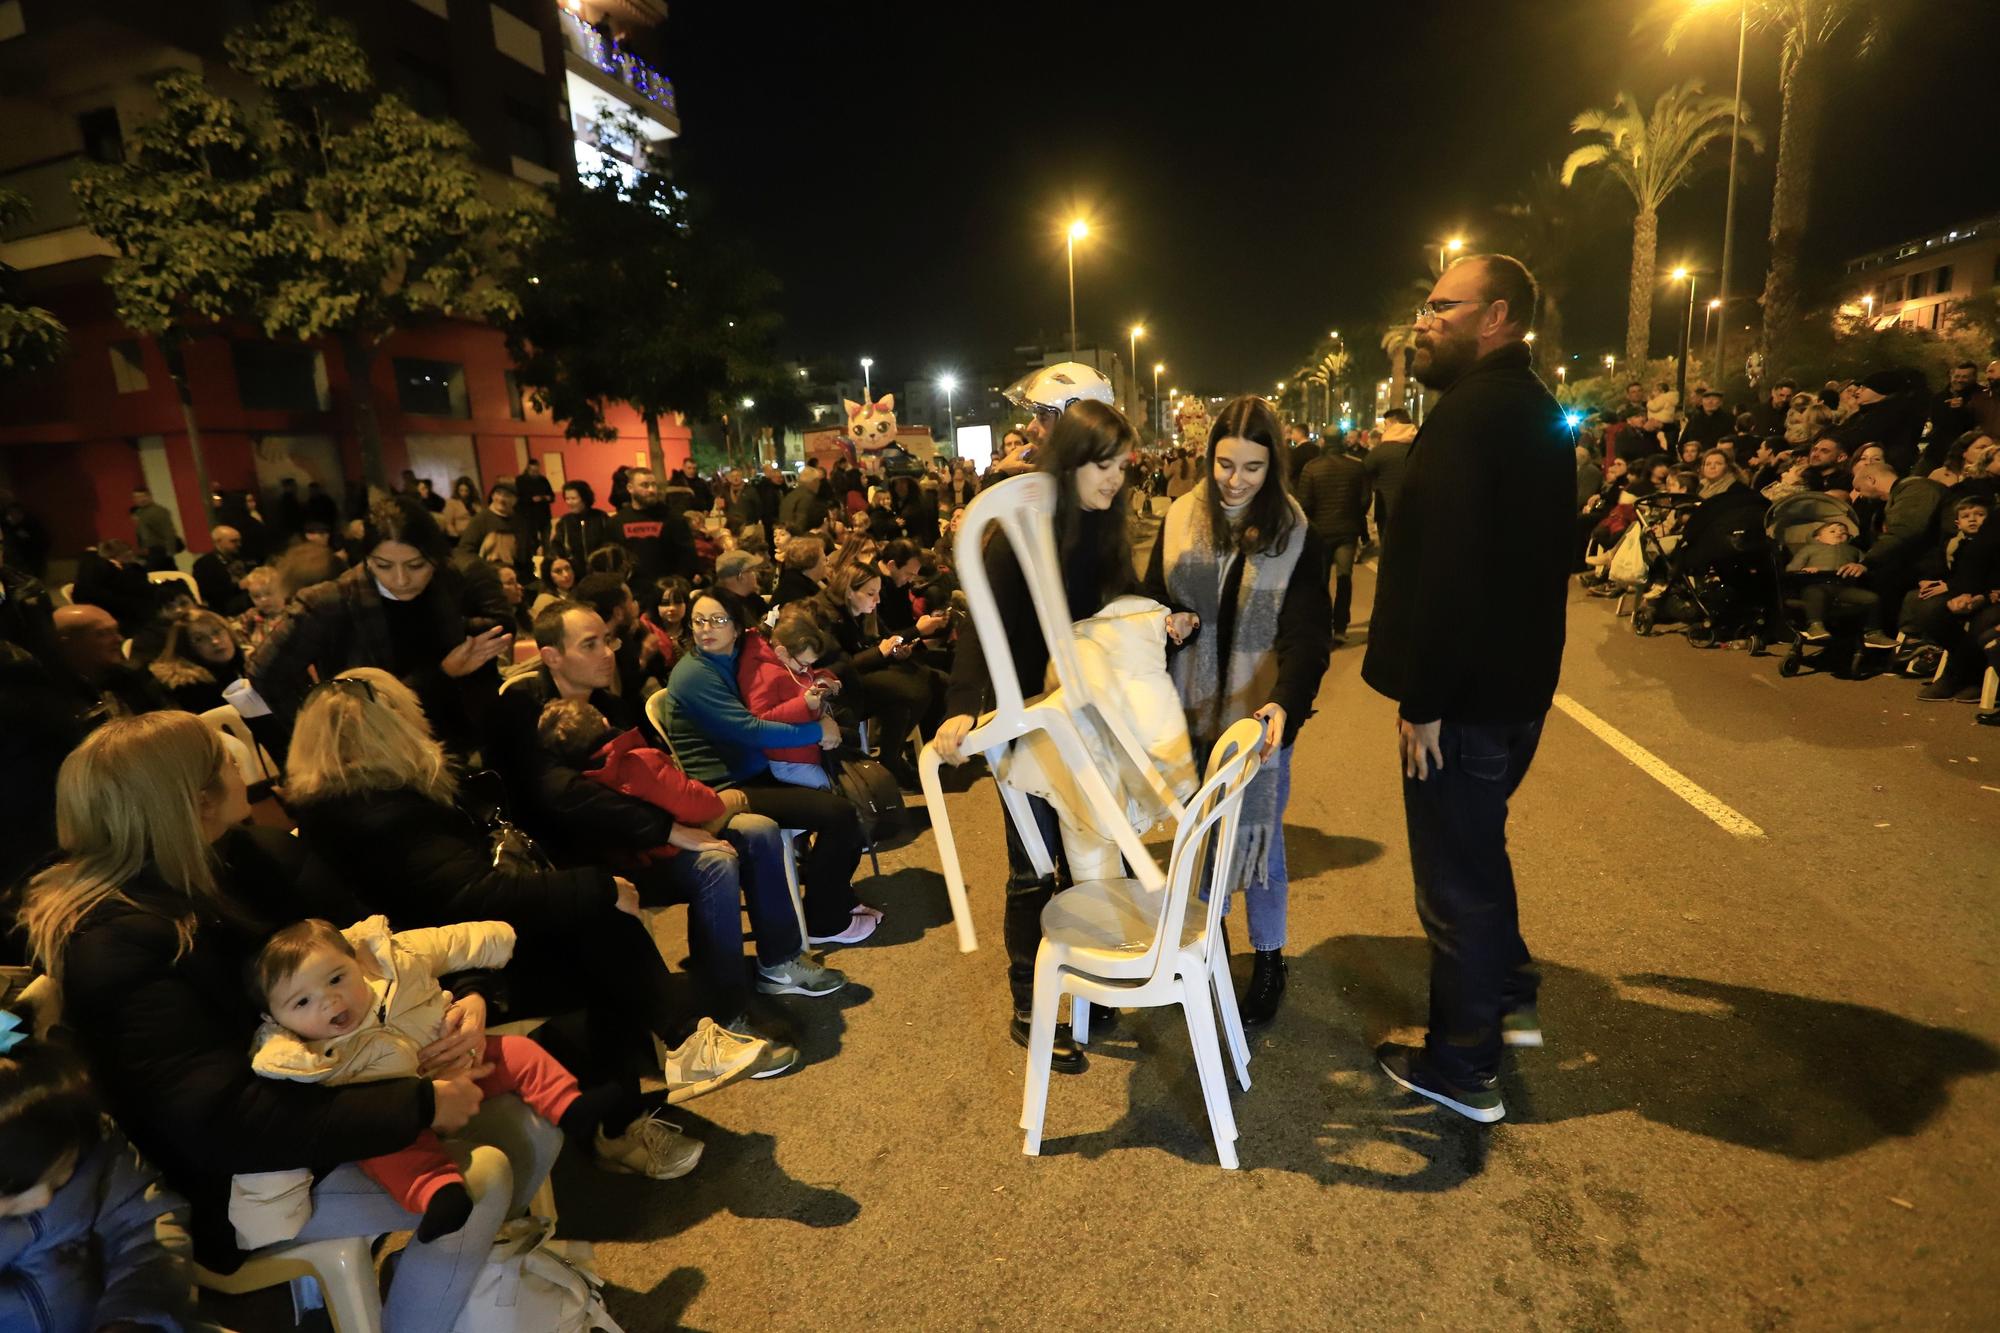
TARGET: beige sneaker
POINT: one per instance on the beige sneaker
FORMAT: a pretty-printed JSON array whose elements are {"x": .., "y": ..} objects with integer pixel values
[
  {"x": 710, "y": 1058},
  {"x": 651, "y": 1147}
]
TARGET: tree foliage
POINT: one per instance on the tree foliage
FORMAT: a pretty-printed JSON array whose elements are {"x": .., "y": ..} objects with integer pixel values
[
  {"x": 30, "y": 336},
  {"x": 633, "y": 295},
  {"x": 321, "y": 208}
]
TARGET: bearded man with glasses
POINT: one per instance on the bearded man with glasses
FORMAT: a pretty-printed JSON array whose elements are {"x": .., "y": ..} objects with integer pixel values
[{"x": 1467, "y": 637}]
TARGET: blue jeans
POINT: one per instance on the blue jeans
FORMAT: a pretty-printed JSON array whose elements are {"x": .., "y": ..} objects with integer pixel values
[
  {"x": 717, "y": 888},
  {"x": 801, "y": 775},
  {"x": 433, "y": 1280},
  {"x": 1457, "y": 823},
  {"x": 1270, "y": 904}
]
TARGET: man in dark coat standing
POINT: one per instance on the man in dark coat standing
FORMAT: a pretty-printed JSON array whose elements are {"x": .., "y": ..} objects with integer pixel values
[
  {"x": 1334, "y": 492},
  {"x": 1467, "y": 637}
]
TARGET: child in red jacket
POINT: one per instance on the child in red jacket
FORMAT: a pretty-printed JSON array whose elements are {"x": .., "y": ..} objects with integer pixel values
[
  {"x": 578, "y": 735},
  {"x": 779, "y": 684}
]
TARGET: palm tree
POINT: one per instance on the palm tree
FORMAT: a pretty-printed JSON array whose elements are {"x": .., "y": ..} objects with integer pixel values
[
  {"x": 1542, "y": 227},
  {"x": 1652, "y": 156},
  {"x": 1807, "y": 29}
]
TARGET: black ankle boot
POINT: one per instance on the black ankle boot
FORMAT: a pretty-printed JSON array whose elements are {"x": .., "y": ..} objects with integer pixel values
[
  {"x": 1065, "y": 1057},
  {"x": 1266, "y": 988}
]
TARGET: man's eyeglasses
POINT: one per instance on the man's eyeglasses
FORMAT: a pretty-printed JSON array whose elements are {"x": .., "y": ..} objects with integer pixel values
[
  {"x": 1435, "y": 310},
  {"x": 710, "y": 622}
]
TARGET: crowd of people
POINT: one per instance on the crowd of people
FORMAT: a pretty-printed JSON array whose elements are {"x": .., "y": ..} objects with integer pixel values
[
  {"x": 1891, "y": 567},
  {"x": 501, "y": 730}
]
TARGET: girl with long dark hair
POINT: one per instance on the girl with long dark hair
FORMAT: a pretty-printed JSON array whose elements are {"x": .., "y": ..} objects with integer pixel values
[
  {"x": 1246, "y": 579},
  {"x": 1085, "y": 453}
]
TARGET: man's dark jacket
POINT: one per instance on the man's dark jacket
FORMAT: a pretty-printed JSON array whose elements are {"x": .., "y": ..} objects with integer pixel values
[
  {"x": 1334, "y": 490},
  {"x": 1469, "y": 605}
]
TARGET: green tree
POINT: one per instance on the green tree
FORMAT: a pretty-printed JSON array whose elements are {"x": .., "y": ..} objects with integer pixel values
[
  {"x": 1651, "y": 155},
  {"x": 30, "y": 337},
  {"x": 321, "y": 209},
  {"x": 1545, "y": 226},
  {"x": 632, "y": 295},
  {"x": 1810, "y": 32}
]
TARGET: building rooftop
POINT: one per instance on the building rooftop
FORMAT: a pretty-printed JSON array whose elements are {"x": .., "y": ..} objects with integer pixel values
[{"x": 1987, "y": 227}]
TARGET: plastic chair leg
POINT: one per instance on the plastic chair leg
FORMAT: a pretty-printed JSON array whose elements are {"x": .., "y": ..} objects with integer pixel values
[
  {"x": 928, "y": 765},
  {"x": 1232, "y": 1018},
  {"x": 1041, "y": 1049},
  {"x": 347, "y": 1281},
  {"x": 1208, "y": 1065},
  {"x": 792, "y": 879},
  {"x": 1079, "y": 1020}
]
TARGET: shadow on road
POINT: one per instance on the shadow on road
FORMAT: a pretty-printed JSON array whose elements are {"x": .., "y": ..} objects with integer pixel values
[
  {"x": 913, "y": 902},
  {"x": 1309, "y": 851},
  {"x": 1802, "y": 1078},
  {"x": 664, "y": 1307}
]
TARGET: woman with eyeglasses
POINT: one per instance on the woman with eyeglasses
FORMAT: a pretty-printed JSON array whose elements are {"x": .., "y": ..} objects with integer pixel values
[
  {"x": 162, "y": 898},
  {"x": 437, "y": 627},
  {"x": 1246, "y": 576},
  {"x": 721, "y": 743}
]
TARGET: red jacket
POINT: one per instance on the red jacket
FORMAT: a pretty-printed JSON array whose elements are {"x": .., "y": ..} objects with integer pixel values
[
  {"x": 773, "y": 694},
  {"x": 630, "y": 767}
]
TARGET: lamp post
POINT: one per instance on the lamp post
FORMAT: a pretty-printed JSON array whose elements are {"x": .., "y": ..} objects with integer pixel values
[
  {"x": 1077, "y": 231},
  {"x": 1707, "y": 317},
  {"x": 1684, "y": 274},
  {"x": 1452, "y": 246},
  {"x": 867, "y": 383},
  {"x": 1729, "y": 204},
  {"x": 1137, "y": 331},
  {"x": 1153, "y": 408},
  {"x": 948, "y": 383}
]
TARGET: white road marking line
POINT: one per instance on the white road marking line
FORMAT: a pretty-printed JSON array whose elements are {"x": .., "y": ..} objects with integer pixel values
[{"x": 1660, "y": 771}]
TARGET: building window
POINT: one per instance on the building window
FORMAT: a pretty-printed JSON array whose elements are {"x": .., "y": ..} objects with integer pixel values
[
  {"x": 1920, "y": 285},
  {"x": 427, "y": 84},
  {"x": 103, "y": 141},
  {"x": 1892, "y": 291},
  {"x": 527, "y": 133},
  {"x": 1943, "y": 280},
  {"x": 128, "y": 366},
  {"x": 515, "y": 408},
  {"x": 431, "y": 388},
  {"x": 279, "y": 377}
]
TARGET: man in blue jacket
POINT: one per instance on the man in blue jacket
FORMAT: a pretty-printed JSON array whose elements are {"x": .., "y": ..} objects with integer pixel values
[{"x": 1467, "y": 637}]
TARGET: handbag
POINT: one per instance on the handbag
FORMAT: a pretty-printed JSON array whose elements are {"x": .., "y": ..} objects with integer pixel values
[
  {"x": 533, "y": 1283},
  {"x": 886, "y": 823}
]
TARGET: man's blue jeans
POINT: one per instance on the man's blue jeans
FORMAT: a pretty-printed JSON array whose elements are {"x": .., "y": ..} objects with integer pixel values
[
  {"x": 717, "y": 888},
  {"x": 1457, "y": 822}
]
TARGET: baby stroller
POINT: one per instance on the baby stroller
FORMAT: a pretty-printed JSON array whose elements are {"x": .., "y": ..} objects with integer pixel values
[
  {"x": 1641, "y": 558},
  {"x": 1791, "y": 524},
  {"x": 1719, "y": 576}
]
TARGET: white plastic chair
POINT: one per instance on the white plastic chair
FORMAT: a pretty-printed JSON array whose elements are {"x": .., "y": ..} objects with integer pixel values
[
  {"x": 176, "y": 576},
  {"x": 1125, "y": 945},
  {"x": 1024, "y": 509},
  {"x": 656, "y": 713},
  {"x": 252, "y": 759},
  {"x": 68, "y": 591},
  {"x": 344, "y": 1270}
]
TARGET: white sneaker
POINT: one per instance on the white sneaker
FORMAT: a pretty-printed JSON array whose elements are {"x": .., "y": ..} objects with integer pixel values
[
  {"x": 801, "y": 976},
  {"x": 651, "y": 1147},
  {"x": 859, "y": 927},
  {"x": 710, "y": 1058}
]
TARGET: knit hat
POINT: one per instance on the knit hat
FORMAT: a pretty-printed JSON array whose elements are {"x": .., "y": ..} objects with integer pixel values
[{"x": 732, "y": 563}]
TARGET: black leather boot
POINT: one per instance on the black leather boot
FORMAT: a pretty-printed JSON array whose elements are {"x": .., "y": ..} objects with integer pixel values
[
  {"x": 1065, "y": 1056},
  {"x": 1266, "y": 988}
]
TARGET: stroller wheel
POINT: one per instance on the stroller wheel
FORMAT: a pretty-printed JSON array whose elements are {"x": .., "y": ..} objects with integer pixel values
[
  {"x": 1702, "y": 636},
  {"x": 1757, "y": 645},
  {"x": 1789, "y": 667},
  {"x": 1642, "y": 620}
]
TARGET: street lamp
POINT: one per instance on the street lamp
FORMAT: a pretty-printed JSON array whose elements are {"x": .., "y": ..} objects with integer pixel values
[
  {"x": 1154, "y": 411},
  {"x": 1685, "y": 274},
  {"x": 1077, "y": 231},
  {"x": 1452, "y": 246},
  {"x": 1729, "y": 205},
  {"x": 1610, "y": 363},
  {"x": 948, "y": 383},
  {"x": 1562, "y": 374},
  {"x": 867, "y": 383},
  {"x": 1137, "y": 331}
]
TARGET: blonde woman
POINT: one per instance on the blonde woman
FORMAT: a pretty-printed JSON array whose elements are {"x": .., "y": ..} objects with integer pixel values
[
  {"x": 161, "y": 899},
  {"x": 200, "y": 657},
  {"x": 375, "y": 797}
]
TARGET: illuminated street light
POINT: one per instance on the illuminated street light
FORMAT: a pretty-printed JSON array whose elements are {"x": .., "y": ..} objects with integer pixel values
[
  {"x": 1077, "y": 231},
  {"x": 1137, "y": 331},
  {"x": 948, "y": 383},
  {"x": 867, "y": 383},
  {"x": 1452, "y": 246},
  {"x": 1682, "y": 273},
  {"x": 749, "y": 403},
  {"x": 1154, "y": 406}
]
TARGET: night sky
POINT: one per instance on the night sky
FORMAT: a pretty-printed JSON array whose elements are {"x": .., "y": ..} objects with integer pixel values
[{"x": 906, "y": 169}]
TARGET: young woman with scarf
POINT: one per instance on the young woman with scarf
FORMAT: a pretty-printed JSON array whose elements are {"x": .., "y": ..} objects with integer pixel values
[{"x": 1246, "y": 579}]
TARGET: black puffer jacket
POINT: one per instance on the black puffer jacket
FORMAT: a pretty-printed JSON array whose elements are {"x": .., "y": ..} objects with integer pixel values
[
  {"x": 168, "y": 1036},
  {"x": 1334, "y": 490}
]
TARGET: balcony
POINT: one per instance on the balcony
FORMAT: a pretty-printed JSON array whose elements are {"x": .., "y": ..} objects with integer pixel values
[
  {"x": 45, "y": 185},
  {"x": 620, "y": 66}
]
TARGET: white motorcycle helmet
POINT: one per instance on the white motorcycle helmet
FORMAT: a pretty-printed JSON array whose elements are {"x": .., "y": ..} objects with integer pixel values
[{"x": 1053, "y": 388}]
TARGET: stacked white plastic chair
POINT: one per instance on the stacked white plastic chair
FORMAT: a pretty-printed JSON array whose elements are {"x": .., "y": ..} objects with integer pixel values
[
  {"x": 1126, "y": 945},
  {"x": 1023, "y": 508}
]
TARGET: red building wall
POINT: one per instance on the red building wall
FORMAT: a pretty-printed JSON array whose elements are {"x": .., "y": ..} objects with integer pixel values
[{"x": 69, "y": 441}]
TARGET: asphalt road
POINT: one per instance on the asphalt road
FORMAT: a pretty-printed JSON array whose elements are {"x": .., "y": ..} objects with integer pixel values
[{"x": 1767, "y": 1099}]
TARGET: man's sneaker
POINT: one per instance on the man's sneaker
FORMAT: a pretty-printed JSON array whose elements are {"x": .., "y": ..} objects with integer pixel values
[
  {"x": 1816, "y": 633},
  {"x": 710, "y": 1058},
  {"x": 1522, "y": 1027},
  {"x": 1410, "y": 1069},
  {"x": 1875, "y": 638},
  {"x": 651, "y": 1147},
  {"x": 1971, "y": 694},
  {"x": 801, "y": 976},
  {"x": 1942, "y": 692}
]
